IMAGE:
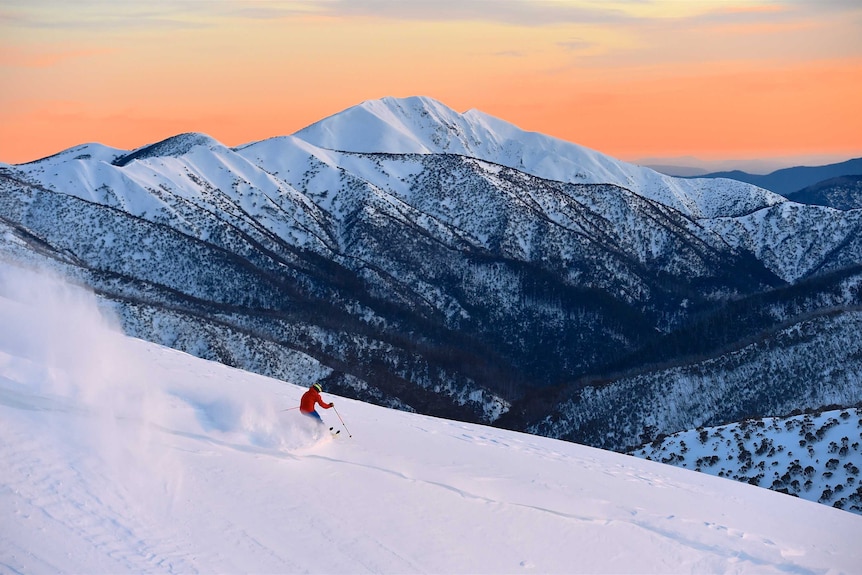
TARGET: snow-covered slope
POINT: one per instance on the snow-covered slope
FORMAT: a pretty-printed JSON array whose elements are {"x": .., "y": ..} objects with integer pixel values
[
  {"x": 774, "y": 236},
  {"x": 805, "y": 366},
  {"x": 812, "y": 456},
  {"x": 122, "y": 456}
]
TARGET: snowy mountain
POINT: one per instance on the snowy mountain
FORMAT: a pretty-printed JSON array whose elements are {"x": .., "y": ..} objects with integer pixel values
[
  {"x": 457, "y": 266},
  {"x": 808, "y": 365},
  {"x": 841, "y": 193},
  {"x": 424, "y": 126},
  {"x": 121, "y": 456}
]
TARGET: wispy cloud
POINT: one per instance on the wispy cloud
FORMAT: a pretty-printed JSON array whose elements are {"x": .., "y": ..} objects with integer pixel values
[
  {"x": 102, "y": 15},
  {"x": 554, "y": 12},
  {"x": 576, "y": 45},
  {"x": 516, "y": 12},
  {"x": 511, "y": 54},
  {"x": 197, "y": 13},
  {"x": 191, "y": 13}
]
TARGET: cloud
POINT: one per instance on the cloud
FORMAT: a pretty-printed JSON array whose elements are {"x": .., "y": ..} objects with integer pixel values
[
  {"x": 576, "y": 45},
  {"x": 554, "y": 12},
  {"x": 88, "y": 14},
  {"x": 102, "y": 16},
  {"x": 775, "y": 12},
  {"x": 190, "y": 14},
  {"x": 108, "y": 15},
  {"x": 517, "y": 12}
]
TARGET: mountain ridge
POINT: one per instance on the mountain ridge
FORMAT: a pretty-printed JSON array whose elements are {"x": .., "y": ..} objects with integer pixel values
[
  {"x": 842, "y": 193},
  {"x": 478, "y": 135},
  {"x": 787, "y": 181}
]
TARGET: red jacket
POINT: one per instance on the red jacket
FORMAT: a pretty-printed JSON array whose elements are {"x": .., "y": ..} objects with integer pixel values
[{"x": 309, "y": 398}]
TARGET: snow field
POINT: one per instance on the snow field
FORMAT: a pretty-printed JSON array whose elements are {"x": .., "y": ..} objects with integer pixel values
[{"x": 123, "y": 456}]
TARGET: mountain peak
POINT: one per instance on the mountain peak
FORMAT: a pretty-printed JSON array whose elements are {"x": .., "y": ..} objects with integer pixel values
[
  {"x": 412, "y": 125},
  {"x": 174, "y": 146},
  {"x": 422, "y": 125},
  {"x": 92, "y": 150}
]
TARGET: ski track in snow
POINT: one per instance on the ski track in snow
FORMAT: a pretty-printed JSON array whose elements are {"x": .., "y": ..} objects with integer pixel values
[
  {"x": 114, "y": 528},
  {"x": 96, "y": 499},
  {"x": 100, "y": 519}
]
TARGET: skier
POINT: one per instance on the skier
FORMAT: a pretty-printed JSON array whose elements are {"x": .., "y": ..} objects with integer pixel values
[{"x": 308, "y": 401}]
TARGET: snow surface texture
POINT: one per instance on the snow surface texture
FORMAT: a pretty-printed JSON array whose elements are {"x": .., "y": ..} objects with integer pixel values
[
  {"x": 124, "y": 456},
  {"x": 812, "y": 456}
]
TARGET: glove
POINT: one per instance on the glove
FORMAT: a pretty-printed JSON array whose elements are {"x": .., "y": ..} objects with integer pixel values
[{"x": 332, "y": 404}]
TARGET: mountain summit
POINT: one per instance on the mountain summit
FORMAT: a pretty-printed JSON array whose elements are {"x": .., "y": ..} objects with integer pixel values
[
  {"x": 420, "y": 125},
  {"x": 416, "y": 125}
]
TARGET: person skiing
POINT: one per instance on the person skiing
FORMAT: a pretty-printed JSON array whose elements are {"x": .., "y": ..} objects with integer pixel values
[{"x": 311, "y": 398}]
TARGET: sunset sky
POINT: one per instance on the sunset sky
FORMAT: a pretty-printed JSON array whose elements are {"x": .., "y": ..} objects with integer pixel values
[{"x": 732, "y": 79}]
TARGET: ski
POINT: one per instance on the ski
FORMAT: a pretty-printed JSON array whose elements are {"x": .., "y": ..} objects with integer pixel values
[{"x": 334, "y": 432}]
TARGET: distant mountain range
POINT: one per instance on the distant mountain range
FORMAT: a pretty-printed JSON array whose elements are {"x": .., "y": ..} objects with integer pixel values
[
  {"x": 455, "y": 265},
  {"x": 787, "y": 181},
  {"x": 678, "y": 171},
  {"x": 690, "y": 166}
]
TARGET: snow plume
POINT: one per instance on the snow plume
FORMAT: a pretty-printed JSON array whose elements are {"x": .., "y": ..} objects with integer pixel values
[
  {"x": 99, "y": 401},
  {"x": 245, "y": 419},
  {"x": 67, "y": 354},
  {"x": 60, "y": 326},
  {"x": 69, "y": 350}
]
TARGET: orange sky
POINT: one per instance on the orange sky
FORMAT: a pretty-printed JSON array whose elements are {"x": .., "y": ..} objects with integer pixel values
[{"x": 715, "y": 79}]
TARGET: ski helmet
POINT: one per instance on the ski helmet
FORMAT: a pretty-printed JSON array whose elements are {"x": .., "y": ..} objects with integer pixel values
[{"x": 317, "y": 386}]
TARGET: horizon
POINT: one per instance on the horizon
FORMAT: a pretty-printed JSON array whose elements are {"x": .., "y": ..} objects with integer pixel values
[
  {"x": 755, "y": 166},
  {"x": 773, "y": 81}
]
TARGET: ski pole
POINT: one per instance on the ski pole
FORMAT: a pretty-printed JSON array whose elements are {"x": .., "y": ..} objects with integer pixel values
[
  {"x": 289, "y": 408},
  {"x": 342, "y": 421}
]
